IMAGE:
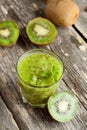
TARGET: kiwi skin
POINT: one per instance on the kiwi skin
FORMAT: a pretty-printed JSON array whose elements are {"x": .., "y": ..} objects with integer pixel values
[
  {"x": 50, "y": 101},
  {"x": 41, "y": 44},
  {"x": 62, "y": 12},
  {"x": 9, "y": 45}
]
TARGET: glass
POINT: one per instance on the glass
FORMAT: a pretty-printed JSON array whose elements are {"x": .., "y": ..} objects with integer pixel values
[{"x": 37, "y": 96}]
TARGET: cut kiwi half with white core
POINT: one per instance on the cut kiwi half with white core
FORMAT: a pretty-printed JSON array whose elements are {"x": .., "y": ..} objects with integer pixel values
[
  {"x": 5, "y": 33},
  {"x": 41, "y": 31},
  {"x": 63, "y": 106},
  {"x": 9, "y": 33}
]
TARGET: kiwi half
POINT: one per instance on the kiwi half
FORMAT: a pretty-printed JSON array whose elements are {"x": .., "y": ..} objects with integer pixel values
[
  {"x": 62, "y": 106},
  {"x": 9, "y": 33},
  {"x": 41, "y": 31}
]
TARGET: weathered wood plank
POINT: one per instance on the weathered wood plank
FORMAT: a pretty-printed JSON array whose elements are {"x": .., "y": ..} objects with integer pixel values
[
  {"x": 36, "y": 119},
  {"x": 6, "y": 118},
  {"x": 81, "y": 23},
  {"x": 75, "y": 61},
  {"x": 68, "y": 45}
]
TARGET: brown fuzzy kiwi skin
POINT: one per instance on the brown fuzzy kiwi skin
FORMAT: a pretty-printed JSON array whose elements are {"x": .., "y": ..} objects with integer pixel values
[
  {"x": 46, "y": 1},
  {"x": 62, "y": 12}
]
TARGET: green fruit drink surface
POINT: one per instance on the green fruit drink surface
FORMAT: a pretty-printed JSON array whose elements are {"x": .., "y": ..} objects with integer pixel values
[
  {"x": 39, "y": 74},
  {"x": 40, "y": 70}
]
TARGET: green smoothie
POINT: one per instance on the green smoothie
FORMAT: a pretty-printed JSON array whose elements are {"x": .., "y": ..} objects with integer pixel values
[{"x": 39, "y": 72}]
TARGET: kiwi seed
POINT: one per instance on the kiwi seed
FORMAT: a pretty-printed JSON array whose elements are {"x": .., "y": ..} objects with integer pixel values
[
  {"x": 63, "y": 106},
  {"x": 9, "y": 33},
  {"x": 41, "y": 31}
]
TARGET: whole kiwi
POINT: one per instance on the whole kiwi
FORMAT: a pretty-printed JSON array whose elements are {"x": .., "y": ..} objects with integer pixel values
[{"x": 62, "y": 12}]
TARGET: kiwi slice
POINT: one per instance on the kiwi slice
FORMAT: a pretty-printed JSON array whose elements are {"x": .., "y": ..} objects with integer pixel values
[
  {"x": 62, "y": 106},
  {"x": 41, "y": 31},
  {"x": 9, "y": 33}
]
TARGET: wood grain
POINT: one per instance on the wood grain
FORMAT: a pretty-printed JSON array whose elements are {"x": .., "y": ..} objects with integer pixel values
[
  {"x": 6, "y": 118},
  {"x": 75, "y": 61},
  {"x": 28, "y": 118},
  {"x": 68, "y": 45},
  {"x": 81, "y": 23}
]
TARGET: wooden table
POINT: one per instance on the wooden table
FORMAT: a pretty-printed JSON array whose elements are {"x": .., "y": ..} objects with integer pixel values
[{"x": 70, "y": 45}]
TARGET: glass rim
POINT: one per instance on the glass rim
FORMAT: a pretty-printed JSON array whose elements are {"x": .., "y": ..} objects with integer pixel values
[{"x": 42, "y": 51}]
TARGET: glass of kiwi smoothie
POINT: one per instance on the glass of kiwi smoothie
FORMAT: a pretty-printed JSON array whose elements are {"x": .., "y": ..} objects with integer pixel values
[{"x": 39, "y": 72}]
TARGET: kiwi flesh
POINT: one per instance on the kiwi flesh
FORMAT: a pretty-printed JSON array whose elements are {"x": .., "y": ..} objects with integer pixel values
[
  {"x": 9, "y": 33},
  {"x": 41, "y": 31},
  {"x": 63, "y": 106}
]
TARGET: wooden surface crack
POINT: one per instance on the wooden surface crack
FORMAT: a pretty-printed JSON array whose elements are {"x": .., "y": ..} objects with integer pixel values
[{"x": 81, "y": 35}]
